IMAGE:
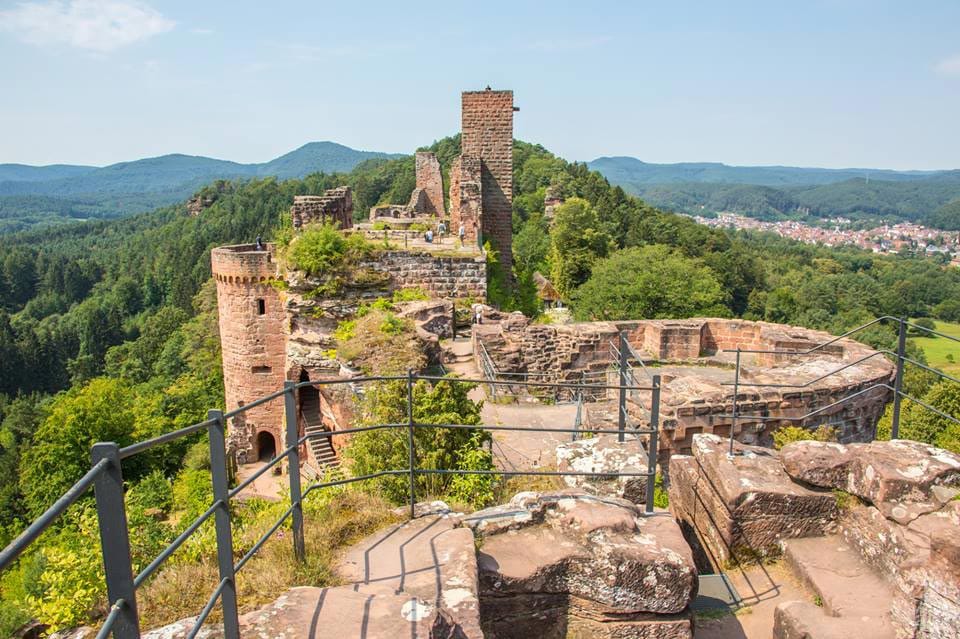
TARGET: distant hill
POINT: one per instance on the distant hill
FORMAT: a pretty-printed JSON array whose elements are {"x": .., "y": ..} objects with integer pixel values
[
  {"x": 35, "y": 195},
  {"x": 774, "y": 192}
]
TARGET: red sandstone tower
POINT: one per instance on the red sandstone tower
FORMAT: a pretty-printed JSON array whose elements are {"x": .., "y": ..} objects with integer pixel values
[
  {"x": 481, "y": 179},
  {"x": 254, "y": 347}
]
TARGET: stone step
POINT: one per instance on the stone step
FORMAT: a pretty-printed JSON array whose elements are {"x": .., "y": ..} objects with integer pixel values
[{"x": 850, "y": 594}]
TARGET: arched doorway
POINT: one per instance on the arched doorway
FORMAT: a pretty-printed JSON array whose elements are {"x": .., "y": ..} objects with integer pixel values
[{"x": 266, "y": 446}]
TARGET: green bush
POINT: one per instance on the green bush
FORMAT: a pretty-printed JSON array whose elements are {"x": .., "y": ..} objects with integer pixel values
[
  {"x": 415, "y": 294},
  {"x": 321, "y": 250},
  {"x": 789, "y": 434},
  {"x": 436, "y": 448}
]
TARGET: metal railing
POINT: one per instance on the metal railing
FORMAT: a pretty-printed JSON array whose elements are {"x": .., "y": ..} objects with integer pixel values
[
  {"x": 106, "y": 478},
  {"x": 899, "y": 358}
]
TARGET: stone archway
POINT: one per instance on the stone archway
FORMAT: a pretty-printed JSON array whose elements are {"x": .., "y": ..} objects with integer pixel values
[{"x": 266, "y": 446}]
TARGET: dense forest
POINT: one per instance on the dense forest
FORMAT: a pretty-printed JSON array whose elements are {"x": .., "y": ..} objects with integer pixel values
[{"x": 108, "y": 328}]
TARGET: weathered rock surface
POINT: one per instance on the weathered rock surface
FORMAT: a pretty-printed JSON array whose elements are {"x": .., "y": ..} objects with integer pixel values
[
  {"x": 611, "y": 458},
  {"x": 311, "y": 613},
  {"x": 741, "y": 506},
  {"x": 552, "y": 563},
  {"x": 904, "y": 479},
  {"x": 428, "y": 558}
]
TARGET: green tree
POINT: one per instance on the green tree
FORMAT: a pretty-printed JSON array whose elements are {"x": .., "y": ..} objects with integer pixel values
[
  {"x": 436, "y": 448},
  {"x": 649, "y": 282},
  {"x": 577, "y": 240}
]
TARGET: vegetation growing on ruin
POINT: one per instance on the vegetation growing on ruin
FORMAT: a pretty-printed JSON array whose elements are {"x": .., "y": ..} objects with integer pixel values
[
  {"x": 378, "y": 342},
  {"x": 102, "y": 311},
  {"x": 789, "y": 434}
]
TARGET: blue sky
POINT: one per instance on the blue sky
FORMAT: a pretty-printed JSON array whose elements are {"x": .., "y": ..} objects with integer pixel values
[{"x": 814, "y": 83}]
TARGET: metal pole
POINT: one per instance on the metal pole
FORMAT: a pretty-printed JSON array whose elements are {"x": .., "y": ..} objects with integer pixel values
[
  {"x": 652, "y": 451},
  {"x": 293, "y": 467},
  {"x": 622, "y": 417},
  {"x": 411, "y": 451},
  {"x": 736, "y": 392},
  {"x": 115, "y": 540},
  {"x": 898, "y": 384},
  {"x": 221, "y": 493}
]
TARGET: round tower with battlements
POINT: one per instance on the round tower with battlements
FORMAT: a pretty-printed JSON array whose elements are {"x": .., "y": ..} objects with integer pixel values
[{"x": 254, "y": 346}]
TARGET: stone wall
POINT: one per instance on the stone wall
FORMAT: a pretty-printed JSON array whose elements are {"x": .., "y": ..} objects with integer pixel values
[
  {"x": 466, "y": 197},
  {"x": 252, "y": 320},
  {"x": 334, "y": 206},
  {"x": 427, "y": 197},
  {"x": 697, "y": 376},
  {"x": 487, "y": 133},
  {"x": 440, "y": 276}
]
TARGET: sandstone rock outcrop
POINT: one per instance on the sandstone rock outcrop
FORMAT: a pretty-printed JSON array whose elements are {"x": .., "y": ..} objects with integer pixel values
[
  {"x": 904, "y": 479},
  {"x": 611, "y": 459},
  {"x": 571, "y": 564},
  {"x": 742, "y": 506}
]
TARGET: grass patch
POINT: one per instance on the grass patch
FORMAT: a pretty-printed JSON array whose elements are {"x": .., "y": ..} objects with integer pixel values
[
  {"x": 942, "y": 353},
  {"x": 332, "y": 521},
  {"x": 380, "y": 343}
]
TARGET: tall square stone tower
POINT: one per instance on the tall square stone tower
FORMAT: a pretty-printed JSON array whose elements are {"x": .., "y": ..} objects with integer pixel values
[{"x": 487, "y": 136}]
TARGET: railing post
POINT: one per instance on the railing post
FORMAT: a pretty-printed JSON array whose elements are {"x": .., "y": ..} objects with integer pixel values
[
  {"x": 898, "y": 383},
  {"x": 115, "y": 540},
  {"x": 622, "y": 402},
  {"x": 652, "y": 451},
  {"x": 293, "y": 467},
  {"x": 411, "y": 451},
  {"x": 736, "y": 393},
  {"x": 221, "y": 493}
]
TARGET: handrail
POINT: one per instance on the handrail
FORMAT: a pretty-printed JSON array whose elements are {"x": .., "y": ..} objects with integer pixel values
[
  {"x": 811, "y": 381},
  {"x": 104, "y": 474},
  {"x": 16, "y": 547}
]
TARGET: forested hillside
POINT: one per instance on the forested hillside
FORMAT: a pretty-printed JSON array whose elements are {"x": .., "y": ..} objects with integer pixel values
[
  {"x": 774, "y": 193},
  {"x": 108, "y": 329},
  {"x": 44, "y": 196}
]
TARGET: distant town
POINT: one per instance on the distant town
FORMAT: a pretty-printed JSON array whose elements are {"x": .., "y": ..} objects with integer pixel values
[{"x": 895, "y": 238}]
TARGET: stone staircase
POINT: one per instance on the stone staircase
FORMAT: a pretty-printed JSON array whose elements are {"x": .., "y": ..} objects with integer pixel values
[
  {"x": 850, "y": 599},
  {"x": 321, "y": 447}
]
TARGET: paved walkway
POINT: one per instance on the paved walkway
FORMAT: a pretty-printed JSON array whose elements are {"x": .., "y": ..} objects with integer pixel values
[{"x": 514, "y": 450}]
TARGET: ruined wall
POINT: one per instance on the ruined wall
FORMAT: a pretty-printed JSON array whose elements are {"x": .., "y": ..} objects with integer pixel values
[
  {"x": 696, "y": 395},
  {"x": 335, "y": 205},
  {"x": 466, "y": 197},
  {"x": 440, "y": 276},
  {"x": 487, "y": 133},
  {"x": 253, "y": 341},
  {"x": 427, "y": 197}
]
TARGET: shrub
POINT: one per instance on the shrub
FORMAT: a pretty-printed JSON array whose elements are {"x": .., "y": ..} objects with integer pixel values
[
  {"x": 380, "y": 342},
  {"x": 325, "y": 250},
  {"x": 789, "y": 434},
  {"x": 415, "y": 294},
  {"x": 436, "y": 448},
  {"x": 922, "y": 322}
]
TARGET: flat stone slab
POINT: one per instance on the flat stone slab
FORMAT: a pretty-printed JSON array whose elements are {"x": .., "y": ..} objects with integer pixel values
[
  {"x": 428, "y": 558},
  {"x": 847, "y": 587},
  {"x": 804, "y": 620},
  {"x": 607, "y": 456},
  {"x": 600, "y": 550},
  {"x": 312, "y": 613},
  {"x": 741, "y": 506},
  {"x": 902, "y": 478}
]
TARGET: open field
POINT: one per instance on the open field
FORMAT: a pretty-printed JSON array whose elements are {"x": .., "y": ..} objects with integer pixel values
[{"x": 939, "y": 349}]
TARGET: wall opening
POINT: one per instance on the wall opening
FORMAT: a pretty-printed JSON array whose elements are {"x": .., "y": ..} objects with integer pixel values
[
  {"x": 261, "y": 370},
  {"x": 261, "y": 307},
  {"x": 266, "y": 446}
]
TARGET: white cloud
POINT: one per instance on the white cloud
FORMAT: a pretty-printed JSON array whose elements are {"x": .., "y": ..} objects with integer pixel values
[
  {"x": 97, "y": 25},
  {"x": 202, "y": 31},
  {"x": 949, "y": 66}
]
